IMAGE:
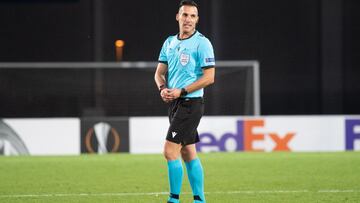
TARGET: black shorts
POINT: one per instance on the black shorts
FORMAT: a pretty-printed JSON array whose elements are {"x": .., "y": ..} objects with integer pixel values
[{"x": 184, "y": 116}]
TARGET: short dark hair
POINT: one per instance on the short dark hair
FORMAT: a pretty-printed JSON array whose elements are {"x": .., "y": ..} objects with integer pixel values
[{"x": 187, "y": 3}]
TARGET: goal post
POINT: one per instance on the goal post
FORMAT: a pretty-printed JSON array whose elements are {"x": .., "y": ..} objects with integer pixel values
[{"x": 117, "y": 89}]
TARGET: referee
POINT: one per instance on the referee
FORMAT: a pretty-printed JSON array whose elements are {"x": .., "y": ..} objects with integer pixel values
[{"x": 188, "y": 60}]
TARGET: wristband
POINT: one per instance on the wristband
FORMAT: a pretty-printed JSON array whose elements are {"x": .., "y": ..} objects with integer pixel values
[
  {"x": 183, "y": 92},
  {"x": 161, "y": 88}
]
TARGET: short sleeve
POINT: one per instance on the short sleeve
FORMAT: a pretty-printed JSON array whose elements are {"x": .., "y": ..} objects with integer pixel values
[
  {"x": 162, "y": 55},
  {"x": 206, "y": 54}
]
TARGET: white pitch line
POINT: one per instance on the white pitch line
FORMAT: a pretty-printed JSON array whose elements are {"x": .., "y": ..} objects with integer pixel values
[
  {"x": 337, "y": 191},
  {"x": 261, "y": 192},
  {"x": 83, "y": 194},
  {"x": 166, "y": 193}
]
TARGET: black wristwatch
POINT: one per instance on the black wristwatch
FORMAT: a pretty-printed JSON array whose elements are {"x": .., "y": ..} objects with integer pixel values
[{"x": 183, "y": 92}]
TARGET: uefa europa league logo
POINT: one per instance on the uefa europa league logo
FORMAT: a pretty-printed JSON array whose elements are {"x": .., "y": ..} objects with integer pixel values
[
  {"x": 102, "y": 131},
  {"x": 10, "y": 141}
]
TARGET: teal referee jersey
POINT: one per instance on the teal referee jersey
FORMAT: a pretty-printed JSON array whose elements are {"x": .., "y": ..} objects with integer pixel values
[{"x": 185, "y": 59}]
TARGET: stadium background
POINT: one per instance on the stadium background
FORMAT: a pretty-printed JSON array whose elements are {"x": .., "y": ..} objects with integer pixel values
[{"x": 308, "y": 50}]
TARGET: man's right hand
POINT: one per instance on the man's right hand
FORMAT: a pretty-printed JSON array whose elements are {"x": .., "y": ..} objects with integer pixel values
[{"x": 166, "y": 95}]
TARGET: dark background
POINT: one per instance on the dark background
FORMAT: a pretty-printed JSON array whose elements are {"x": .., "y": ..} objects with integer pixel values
[{"x": 308, "y": 50}]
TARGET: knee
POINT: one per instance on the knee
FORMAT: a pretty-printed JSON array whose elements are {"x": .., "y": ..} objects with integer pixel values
[
  {"x": 185, "y": 155},
  {"x": 170, "y": 154},
  {"x": 188, "y": 155}
]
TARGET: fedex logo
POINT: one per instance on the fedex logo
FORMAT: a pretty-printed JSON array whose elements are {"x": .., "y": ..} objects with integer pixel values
[
  {"x": 245, "y": 138},
  {"x": 352, "y": 131}
]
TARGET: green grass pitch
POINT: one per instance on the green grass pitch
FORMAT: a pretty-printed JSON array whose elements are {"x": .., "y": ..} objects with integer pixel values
[{"x": 229, "y": 177}]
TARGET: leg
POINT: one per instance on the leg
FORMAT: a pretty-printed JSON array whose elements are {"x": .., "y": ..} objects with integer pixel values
[
  {"x": 171, "y": 150},
  {"x": 188, "y": 152},
  {"x": 194, "y": 171},
  {"x": 175, "y": 170}
]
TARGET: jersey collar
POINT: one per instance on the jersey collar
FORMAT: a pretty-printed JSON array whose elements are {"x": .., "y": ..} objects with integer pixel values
[{"x": 177, "y": 36}]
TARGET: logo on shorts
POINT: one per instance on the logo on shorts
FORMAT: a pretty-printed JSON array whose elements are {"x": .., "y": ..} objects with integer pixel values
[
  {"x": 173, "y": 134},
  {"x": 184, "y": 59}
]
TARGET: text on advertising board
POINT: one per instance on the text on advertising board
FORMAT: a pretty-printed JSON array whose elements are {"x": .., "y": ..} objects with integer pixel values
[{"x": 245, "y": 137}]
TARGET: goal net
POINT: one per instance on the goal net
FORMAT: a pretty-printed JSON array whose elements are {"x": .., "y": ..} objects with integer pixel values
[{"x": 79, "y": 89}]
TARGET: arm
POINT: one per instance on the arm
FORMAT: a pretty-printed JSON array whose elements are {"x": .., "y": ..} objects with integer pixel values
[
  {"x": 160, "y": 75},
  {"x": 161, "y": 82},
  {"x": 207, "y": 79}
]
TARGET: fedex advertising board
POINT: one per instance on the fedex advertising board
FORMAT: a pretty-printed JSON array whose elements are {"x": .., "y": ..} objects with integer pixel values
[
  {"x": 271, "y": 134},
  {"x": 352, "y": 127},
  {"x": 268, "y": 133}
]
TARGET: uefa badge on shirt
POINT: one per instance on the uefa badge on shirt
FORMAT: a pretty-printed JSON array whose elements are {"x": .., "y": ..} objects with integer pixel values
[{"x": 184, "y": 59}]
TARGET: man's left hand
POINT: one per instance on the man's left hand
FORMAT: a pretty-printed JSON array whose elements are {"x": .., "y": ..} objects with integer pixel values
[{"x": 175, "y": 93}]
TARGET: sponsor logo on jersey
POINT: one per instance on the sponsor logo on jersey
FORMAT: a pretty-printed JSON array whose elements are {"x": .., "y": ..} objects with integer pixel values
[{"x": 209, "y": 60}]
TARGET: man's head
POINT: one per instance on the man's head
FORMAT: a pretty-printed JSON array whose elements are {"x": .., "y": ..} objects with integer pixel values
[{"x": 187, "y": 16}]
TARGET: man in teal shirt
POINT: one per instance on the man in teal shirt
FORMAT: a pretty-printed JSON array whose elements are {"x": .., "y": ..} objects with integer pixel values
[{"x": 188, "y": 60}]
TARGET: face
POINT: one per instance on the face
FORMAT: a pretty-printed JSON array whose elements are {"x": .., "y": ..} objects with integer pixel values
[{"x": 187, "y": 18}]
